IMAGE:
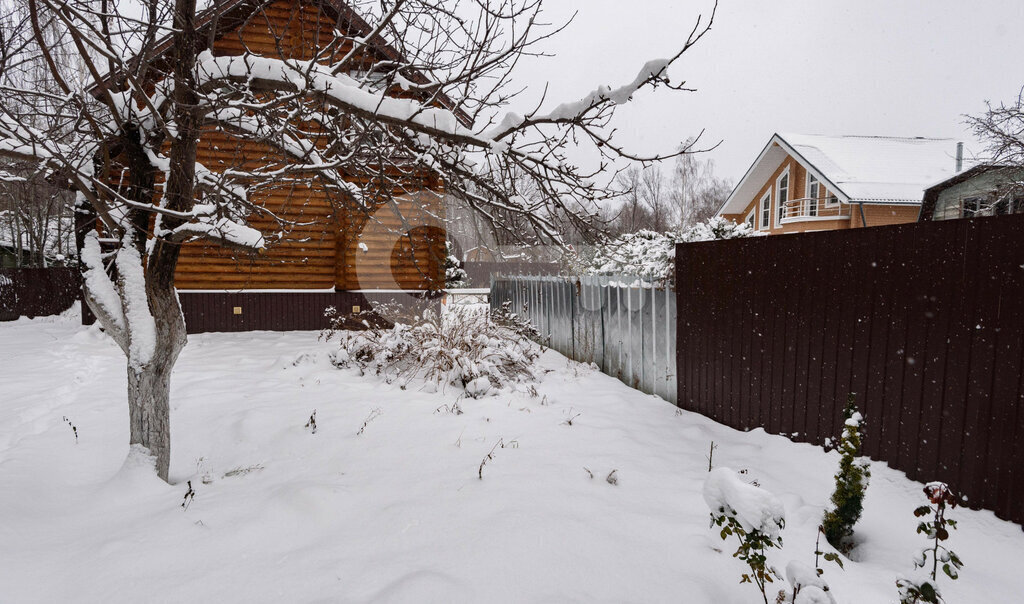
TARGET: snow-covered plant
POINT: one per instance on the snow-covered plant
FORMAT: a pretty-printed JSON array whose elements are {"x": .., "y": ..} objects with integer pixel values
[
  {"x": 652, "y": 255},
  {"x": 461, "y": 347},
  {"x": 751, "y": 514},
  {"x": 519, "y": 324},
  {"x": 806, "y": 585},
  {"x": 454, "y": 275},
  {"x": 936, "y": 529},
  {"x": 851, "y": 482}
]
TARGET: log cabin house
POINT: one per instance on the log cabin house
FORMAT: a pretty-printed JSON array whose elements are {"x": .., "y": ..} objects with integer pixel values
[
  {"x": 332, "y": 256},
  {"x": 801, "y": 183}
]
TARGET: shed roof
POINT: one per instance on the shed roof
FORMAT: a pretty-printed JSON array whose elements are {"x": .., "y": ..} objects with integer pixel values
[{"x": 858, "y": 169}]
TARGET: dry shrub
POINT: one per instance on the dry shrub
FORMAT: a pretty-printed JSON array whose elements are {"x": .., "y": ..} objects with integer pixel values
[{"x": 461, "y": 347}]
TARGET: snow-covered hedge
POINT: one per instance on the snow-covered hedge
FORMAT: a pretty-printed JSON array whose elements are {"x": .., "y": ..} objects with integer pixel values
[
  {"x": 652, "y": 255},
  {"x": 461, "y": 347}
]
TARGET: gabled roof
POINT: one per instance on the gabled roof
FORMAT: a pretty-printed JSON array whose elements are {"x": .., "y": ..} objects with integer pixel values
[
  {"x": 857, "y": 169},
  {"x": 227, "y": 15}
]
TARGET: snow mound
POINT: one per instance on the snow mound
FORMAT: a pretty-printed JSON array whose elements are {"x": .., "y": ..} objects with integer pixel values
[
  {"x": 753, "y": 507},
  {"x": 813, "y": 589}
]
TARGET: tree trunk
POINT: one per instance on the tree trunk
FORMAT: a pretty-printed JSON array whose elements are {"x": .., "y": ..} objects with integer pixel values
[{"x": 149, "y": 387}]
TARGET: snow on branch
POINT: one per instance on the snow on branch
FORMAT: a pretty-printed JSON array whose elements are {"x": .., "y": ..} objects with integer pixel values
[
  {"x": 131, "y": 281},
  {"x": 224, "y": 232}
]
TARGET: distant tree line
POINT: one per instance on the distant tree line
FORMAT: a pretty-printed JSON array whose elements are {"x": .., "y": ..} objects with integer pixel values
[{"x": 658, "y": 199}]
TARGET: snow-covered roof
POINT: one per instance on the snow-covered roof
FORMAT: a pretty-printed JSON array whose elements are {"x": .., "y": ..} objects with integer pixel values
[{"x": 858, "y": 169}]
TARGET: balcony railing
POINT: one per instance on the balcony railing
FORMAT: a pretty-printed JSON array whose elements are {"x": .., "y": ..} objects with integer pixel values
[{"x": 810, "y": 208}]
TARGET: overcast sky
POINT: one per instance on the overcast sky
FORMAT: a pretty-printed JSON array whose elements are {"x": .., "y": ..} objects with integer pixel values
[{"x": 903, "y": 68}]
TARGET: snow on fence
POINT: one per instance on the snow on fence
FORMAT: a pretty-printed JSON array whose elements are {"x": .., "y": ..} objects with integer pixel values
[{"x": 623, "y": 324}]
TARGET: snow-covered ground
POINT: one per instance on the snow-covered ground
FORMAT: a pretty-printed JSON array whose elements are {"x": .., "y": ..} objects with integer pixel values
[{"x": 398, "y": 513}]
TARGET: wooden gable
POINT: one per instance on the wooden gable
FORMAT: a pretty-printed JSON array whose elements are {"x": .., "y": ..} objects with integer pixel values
[{"x": 331, "y": 245}]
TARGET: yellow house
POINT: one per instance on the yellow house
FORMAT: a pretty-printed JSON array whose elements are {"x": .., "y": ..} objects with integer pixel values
[{"x": 804, "y": 182}]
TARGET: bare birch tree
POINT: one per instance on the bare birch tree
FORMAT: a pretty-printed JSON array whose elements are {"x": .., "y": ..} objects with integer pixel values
[{"x": 431, "y": 97}]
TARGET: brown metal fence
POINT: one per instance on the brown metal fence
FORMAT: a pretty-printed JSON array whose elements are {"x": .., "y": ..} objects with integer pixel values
[
  {"x": 37, "y": 292},
  {"x": 284, "y": 311},
  {"x": 925, "y": 322}
]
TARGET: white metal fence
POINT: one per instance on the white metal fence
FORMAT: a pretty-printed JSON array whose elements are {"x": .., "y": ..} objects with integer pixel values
[{"x": 624, "y": 325}]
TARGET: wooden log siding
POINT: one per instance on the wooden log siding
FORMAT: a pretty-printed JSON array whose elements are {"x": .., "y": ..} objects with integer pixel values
[
  {"x": 320, "y": 250},
  {"x": 924, "y": 321}
]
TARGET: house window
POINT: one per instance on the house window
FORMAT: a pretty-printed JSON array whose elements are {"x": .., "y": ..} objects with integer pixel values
[
  {"x": 1001, "y": 207},
  {"x": 813, "y": 190},
  {"x": 750, "y": 218},
  {"x": 782, "y": 196},
  {"x": 766, "y": 210},
  {"x": 832, "y": 200},
  {"x": 971, "y": 206}
]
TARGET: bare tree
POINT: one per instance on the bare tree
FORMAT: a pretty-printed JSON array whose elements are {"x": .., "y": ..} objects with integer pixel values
[
  {"x": 36, "y": 217},
  {"x": 696, "y": 192},
  {"x": 1001, "y": 129},
  {"x": 415, "y": 89}
]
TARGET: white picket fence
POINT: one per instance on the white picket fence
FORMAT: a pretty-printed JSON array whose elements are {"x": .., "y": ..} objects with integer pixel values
[{"x": 621, "y": 323}]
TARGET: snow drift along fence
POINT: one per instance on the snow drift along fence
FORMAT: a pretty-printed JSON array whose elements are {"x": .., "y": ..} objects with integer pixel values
[
  {"x": 925, "y": 322},
  {"x": 624, "y": 326},
  {"x": 37, "y": 292}
]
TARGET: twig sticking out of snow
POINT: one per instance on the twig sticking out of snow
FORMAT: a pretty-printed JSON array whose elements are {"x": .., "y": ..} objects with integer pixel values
[
  {"x": 373, "y": 415},
  {"x": 569, "y": 421},
  {"x": 311, "y": 424},
  {"x": 490, "y": 455},
  {"x": 189, "y": 496},
  {"x": 612, "y": 479},
  {"x": 73, "y": 428},
  {"x": 453, "y": 409},
  {"x": 711, "y": 454}
]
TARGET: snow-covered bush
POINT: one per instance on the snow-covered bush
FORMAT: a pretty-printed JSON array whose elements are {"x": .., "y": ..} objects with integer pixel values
[
  {"x": 936, "y": 530},
  {"x": 454, "y": 275},
  {"x": 645, "y": 253},
  {"x": 753, "y": 515},
  {"x": 461, "y": 347},
  {"x": 851, "y": 483},
  {"x": 652, "y": 255}
]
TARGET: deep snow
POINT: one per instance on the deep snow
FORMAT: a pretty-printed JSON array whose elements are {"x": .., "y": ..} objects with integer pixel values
[{"x": 397, "y": 513}]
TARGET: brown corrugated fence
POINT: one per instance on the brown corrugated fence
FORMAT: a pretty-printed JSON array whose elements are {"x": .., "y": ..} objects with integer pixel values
[
  {"x": 37, "y": 292},
  {"x": 925, "y": 322}
]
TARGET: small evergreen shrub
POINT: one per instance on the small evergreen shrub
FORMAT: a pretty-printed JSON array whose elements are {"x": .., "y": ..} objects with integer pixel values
[
  {"x": 454, "y": 275},
  {"x": 851, "y": 483},
  {"x": 937, "y": 531}
]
